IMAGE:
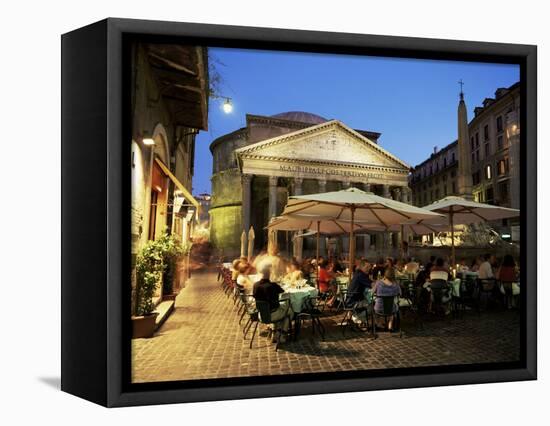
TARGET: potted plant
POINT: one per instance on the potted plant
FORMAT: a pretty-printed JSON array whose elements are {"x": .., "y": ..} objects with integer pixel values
[
  {"x": 172, "y": 253},
  {"x": 149, "y": 269}
]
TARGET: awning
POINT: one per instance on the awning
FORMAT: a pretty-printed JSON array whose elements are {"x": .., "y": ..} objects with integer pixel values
[{"x": 179, "y": 185}]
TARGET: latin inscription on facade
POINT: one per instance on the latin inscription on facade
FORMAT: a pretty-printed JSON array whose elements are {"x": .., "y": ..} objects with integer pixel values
[{"x": 330, "y": 172}]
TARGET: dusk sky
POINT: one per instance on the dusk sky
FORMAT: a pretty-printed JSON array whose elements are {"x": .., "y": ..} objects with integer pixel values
[{"x": 413, "y": 103}]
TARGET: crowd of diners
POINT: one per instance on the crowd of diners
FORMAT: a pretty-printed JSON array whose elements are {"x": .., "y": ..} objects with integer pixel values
[{"x": 383, "y": 277}]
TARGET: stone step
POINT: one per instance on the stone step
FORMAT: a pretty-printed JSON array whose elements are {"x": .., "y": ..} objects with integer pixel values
[{"x": 164, "y": 309}]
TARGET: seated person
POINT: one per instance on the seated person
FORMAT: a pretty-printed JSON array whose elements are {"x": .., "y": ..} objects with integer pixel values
[
  {"x": 400, "y": 269},
  {"x": 439, "y": 272},
  {"x": 243, "y": 279},
  {"x": 267, "y": 291},
  {"x": 507, "y": 272},
  {"x": 235, "y": 269},
  {"x": 475, "y": 264},
  {"x": 377, "y": 271},
  {"x": 485, "y": 270},
  {"x": 359, "y": 283},
  {"x": 462, "y": 266},
  {"x": 411, "y": 267},
  {"x": 326, "y": 282},
  {"x": 337, "y": 267},
  {"x": 387, "y": 286},
  {"x": 293, "y": 273}
]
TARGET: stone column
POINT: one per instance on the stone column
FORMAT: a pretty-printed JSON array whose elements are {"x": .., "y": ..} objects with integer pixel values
[
  {"x": 298, "y": 186},
  {"x": 297, "y": 190},
  {"x": 246, "y": 183},
  {"x": 346, "y": 185},
  {"x": 272, "y": 208},
  {"x": 366, "y": 187},
  {"x": 398, "y": 195},
  {"x": 322, "y": 184},
  {"x": 386, "y": 236},
  {"x": 322, "y": 240}
]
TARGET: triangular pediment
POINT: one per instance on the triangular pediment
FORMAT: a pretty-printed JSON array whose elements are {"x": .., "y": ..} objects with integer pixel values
[{"x": 330, "y": 142}]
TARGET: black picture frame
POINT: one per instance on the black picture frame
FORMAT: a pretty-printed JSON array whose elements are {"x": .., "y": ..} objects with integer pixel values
[{"x": 95, "y": 192}]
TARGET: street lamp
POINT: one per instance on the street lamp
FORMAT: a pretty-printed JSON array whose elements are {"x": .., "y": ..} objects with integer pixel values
[{"x": 227, "y": 106}]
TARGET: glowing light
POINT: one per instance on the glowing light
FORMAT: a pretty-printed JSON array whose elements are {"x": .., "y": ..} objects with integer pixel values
[
  {"x": 227, "y": 106},
  {"x": 148, "y": 141}
]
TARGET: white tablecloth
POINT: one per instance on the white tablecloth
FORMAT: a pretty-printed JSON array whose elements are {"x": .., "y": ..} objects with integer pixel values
[{"x": 298, "y": 296}]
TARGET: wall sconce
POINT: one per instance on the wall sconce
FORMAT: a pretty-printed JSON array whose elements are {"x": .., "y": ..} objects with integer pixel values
[{"x": 147, "y": 139}]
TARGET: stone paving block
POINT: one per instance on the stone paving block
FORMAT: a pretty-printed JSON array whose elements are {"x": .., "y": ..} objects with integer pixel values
[{"x": 202, "y": 339}]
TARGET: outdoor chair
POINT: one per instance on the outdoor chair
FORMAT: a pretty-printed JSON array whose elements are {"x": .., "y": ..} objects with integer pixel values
[
  {"x": 310, "y": 312},
  {"x": 468, "y": 297},
  {"x": 388, "y": 304},
  {"x": 507, "y": 286},
  {"x": 487, "y": 290},
  {"x": 439, "y": 291},
  {"x": 354, "y": 309},
  {"x": 410, "y": 300},
  {"x": 264, "y": 312}
]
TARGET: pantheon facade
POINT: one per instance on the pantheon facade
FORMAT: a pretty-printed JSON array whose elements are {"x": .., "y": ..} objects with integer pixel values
[{"x": 256, "y": 168}]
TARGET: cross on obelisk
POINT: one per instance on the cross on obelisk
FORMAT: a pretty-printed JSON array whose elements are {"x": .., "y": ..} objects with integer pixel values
[{"x": 461, "y": 87}]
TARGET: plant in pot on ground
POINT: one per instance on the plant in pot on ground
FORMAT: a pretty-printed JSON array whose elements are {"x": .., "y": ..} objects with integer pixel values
[
  {"x": 149, "y": 270},
  {"x": 172, "y": 252}
]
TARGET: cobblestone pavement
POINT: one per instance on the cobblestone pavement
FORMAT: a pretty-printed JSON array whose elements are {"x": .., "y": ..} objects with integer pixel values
[{"x": 202, "y": 339}]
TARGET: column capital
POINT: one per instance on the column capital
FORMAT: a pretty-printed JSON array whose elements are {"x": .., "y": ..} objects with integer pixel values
[
  {"x": 273, "y": 180},
  {"x": 346, "y": 184}
]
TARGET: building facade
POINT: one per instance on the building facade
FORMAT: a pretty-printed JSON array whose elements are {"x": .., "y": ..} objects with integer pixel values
[
  {"x": 256, "y": 169},
  {"x": 169, "y": 101},
  {"x": 483, "y": 164}
]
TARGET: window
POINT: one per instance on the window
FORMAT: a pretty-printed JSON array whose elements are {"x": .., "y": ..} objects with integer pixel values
[
  {"x": 499, "y": 124},
  {"x": 445, "y": 190},
  {"x": 488, "y": 174},
  {"x": 502, "y": 167},
  {"x": 489, "y": 196},
  {"x": 437, "y": 194},
  {"x": 475, "y": 178},
  {"x": 487, "y": 150},
  {"x": 453, "y": 174},
  {"x": 477, "y": 140},
  {"x": 473, "y": 157},
  {"x": 472, "y": 143},
  {"x": 445, "y": 162},
  {"x": 486, "y": 132},
  {"x": 500, "y": 142},
  {"x": 477, "y": 155},
  {"x": 454, "y": 187},
  {"x": 452, "y": 157}
]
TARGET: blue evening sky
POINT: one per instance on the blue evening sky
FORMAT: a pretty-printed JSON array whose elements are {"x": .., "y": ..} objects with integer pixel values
[{"x": 413, "y": 103}]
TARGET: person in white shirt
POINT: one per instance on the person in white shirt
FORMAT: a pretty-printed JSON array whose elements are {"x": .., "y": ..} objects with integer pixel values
[{"x": 485, "y": 270}]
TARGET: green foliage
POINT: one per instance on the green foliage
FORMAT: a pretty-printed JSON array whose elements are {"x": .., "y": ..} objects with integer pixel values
[{"x": 156, "y": 261}]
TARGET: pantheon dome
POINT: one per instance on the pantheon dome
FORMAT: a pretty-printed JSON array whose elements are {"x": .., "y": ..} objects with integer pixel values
[{"x": 301, "y": 116}]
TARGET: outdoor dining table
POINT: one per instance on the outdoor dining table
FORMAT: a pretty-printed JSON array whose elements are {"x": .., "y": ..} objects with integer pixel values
[{"x": 297, "y": 295}]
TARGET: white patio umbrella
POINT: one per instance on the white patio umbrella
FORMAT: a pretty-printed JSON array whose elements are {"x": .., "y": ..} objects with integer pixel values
[
  {"x": 460, "y": 211},
  {"x": 243, "y": 244},
  {"x": 354, "y": 205},
  {"x": 251, "y": 237}
]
